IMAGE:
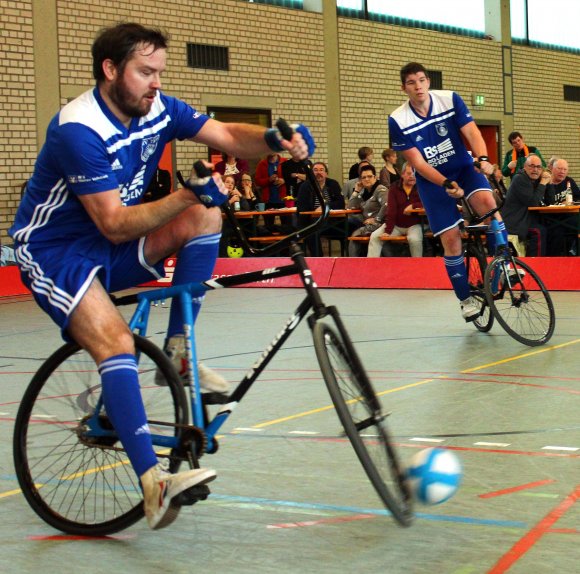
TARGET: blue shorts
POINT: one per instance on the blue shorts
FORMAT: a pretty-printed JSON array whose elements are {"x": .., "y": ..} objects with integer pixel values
[
  {"x": 442, "y": 210},
  {"x": 59, "y": 274}
]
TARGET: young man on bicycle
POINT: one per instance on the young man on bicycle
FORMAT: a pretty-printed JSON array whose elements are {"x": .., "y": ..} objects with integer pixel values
[
  {"x": 82, "y": 230},
  {"x": 427, "y": 129}
]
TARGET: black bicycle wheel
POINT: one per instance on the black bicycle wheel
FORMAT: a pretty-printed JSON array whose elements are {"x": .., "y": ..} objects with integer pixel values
[
  {"x": 77, "y": 484},
  {"x": 476, "y": 263},
  {"x": 364, "y": 422},
  {"x": 519, "y": 301}
]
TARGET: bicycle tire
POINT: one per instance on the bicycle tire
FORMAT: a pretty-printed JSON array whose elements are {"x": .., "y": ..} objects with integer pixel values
[
  {"x": 522, "y": 305},
  {"x": 79, "y": 485},
  {"x": 476, "y": 263},
  {"x": 359, "y": 411}
]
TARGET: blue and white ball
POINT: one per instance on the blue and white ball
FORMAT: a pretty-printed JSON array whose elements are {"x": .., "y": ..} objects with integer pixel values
[{"x": 434, "y": 475}]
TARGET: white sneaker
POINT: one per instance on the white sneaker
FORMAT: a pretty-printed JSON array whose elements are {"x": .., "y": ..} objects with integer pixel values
[
  {"x": 209, "y": 380},
  {"x": 513, "y": 274},
  {"x": 469, "y": 309},
  {"x": 161, "y": 487}
]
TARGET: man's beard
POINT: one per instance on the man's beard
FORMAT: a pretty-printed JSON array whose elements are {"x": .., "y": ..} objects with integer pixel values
[{"x": 127, "y": 103}]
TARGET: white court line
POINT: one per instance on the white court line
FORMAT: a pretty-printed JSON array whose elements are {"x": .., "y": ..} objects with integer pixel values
[
  {"x": 568, "y": 448},
  {"x": 302, "y": 432},
  {"x": 491, "y": 444},
  {"x": 248, "y": 429},
  {"x": 420, "y": 439}
]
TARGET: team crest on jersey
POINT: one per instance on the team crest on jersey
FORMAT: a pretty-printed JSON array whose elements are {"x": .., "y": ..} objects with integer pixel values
[
  {"x": 148, "y": 147},
  {"x": 441, "y": 129}
]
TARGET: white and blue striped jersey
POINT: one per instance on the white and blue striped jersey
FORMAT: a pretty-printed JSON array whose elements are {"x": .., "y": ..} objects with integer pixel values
[
  {"x": 437, "y": 136},
  {"x": 88, "y": 150}
]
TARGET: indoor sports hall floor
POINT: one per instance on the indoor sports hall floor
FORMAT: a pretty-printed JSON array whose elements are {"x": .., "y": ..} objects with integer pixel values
[{"x": 290, "y": 494}]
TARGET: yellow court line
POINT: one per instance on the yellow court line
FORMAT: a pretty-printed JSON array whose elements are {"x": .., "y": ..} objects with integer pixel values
[
  {"x": 330, "y": 407},
  {"x": 405, "y": 387},
  {"x": 523, "y": 356},
  {"x": 10, "y": 493}
]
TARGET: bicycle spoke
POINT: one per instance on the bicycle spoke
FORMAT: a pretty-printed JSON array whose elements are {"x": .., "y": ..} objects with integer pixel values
[{"x": 522, "y": 304}]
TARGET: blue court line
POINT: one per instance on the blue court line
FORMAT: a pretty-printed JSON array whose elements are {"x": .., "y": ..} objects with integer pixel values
[
  {"x": 360, "y": 510},
  {"x": 349, "y": 509}
]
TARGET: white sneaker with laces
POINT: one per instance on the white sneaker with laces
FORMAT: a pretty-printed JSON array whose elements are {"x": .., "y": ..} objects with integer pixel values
[
  {"x": 161, "y": 487},
  {"x": 209, "y": 380},
  {"x": 469, "y": 309}
]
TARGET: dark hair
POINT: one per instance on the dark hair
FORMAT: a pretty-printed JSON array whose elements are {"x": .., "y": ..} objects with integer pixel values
[
  {"x": 322, "y": 164},
  {"x": 369, "y": 167},
  {"x": 412, "y": 68},
  {"x": 363, "y": 163},
  {"x": 364, "y": 152},
  {"x": 514, "y": 135},
  {"x": 118, "y": 43}
]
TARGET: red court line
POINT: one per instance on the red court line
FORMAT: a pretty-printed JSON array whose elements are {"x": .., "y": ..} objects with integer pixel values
[
  {"x": 528, "y": 540},
  {"x": 66, "y": 537},
  {"x": 515, "y": 383},
  {"x": 516, "y": 488}
]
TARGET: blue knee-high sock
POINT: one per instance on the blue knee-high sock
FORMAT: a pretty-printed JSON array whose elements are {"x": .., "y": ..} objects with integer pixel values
[
  {"x": 455, "y": 267},
  {"x": 124, "y": 406},
  {"x": 195, "y": 263},
  {"x": 490, "y": 237}
]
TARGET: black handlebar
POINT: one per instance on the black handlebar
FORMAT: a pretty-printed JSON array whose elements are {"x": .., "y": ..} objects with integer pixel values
[{"x": 201, "y": 170}]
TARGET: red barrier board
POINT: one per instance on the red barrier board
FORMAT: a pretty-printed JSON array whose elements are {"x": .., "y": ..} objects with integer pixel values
[
  {"x": 389, "y": 273},
  {"x": 10, "y": 283},
  {"x": 557, "y": 273}
]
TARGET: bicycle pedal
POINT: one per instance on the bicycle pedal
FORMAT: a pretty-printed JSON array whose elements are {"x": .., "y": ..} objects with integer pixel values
[
  {"x": 214, "y": 398},
  {"x": 192, "y": 495}
]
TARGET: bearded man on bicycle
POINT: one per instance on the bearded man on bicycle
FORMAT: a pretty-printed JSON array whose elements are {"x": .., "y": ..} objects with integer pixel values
[{"x": 83, "y": 231}]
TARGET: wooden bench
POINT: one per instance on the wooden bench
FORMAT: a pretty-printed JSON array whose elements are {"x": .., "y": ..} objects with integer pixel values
[
  {"x": 385, "y": 237},
  {"x": 267, "y": 238}
]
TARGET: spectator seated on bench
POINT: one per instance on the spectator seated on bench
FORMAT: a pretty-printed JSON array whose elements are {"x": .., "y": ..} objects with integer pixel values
[
  {"x": 308, "y": 201},
  {"x": 398, "y": 221},
  {"x": 372, "y": 201}
]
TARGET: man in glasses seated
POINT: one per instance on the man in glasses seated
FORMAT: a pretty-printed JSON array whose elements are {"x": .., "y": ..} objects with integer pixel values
[{"x": 527, "y": 189}]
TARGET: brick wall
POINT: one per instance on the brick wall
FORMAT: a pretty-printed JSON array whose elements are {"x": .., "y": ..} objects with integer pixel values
[
  {"x": 17, "y": 110},
  {"x": 541, "y": 114},
  {"x": 278, "y": 53},
  {"x": 371, "y": 55}
]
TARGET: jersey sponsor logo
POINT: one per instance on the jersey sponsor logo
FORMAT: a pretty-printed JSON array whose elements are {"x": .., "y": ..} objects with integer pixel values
[
  {"x": 116, "y": 164},
  {"x": 148, "y": 147},
  {"x": 439, "y": 154},
  {"x": 133, "y": 190},
  {"x": 442, "y": 129},
  {"x": 84, "y": 179}
]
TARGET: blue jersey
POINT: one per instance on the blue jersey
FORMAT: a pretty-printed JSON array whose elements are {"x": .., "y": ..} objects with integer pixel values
[
  {"x": 436, "y": 136},
  {"x": 88, "y": 150}
]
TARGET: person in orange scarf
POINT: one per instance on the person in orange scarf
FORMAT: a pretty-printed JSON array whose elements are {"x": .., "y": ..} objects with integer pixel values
[{"x": 514, "y": 160}]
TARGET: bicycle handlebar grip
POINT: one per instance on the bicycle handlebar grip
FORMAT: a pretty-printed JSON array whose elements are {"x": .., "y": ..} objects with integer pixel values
[
  {"x": 284, "y": 128},
  {"x": 201, "y": 170}
]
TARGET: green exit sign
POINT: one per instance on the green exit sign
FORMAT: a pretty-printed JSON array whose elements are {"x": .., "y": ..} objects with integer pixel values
[{"x": 478, "y": 100}]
